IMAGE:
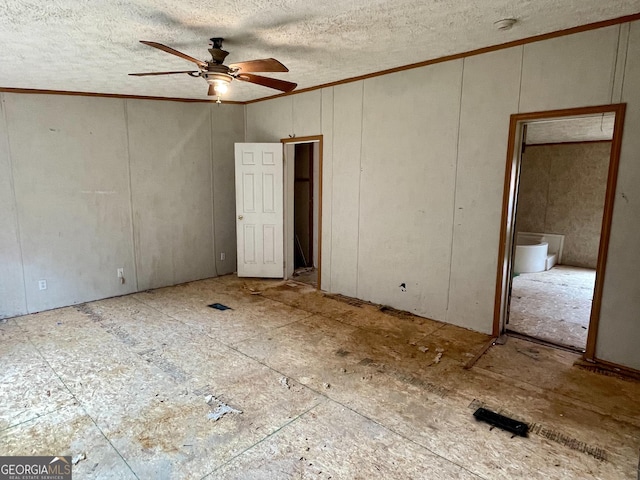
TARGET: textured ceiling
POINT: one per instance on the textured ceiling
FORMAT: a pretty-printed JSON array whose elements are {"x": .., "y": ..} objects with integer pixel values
[
  {"x": 581, "y": 129},
  {"x": 91, "y": 45}
]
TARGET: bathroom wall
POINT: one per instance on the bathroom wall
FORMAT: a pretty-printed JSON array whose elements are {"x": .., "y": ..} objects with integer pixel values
[
  {"x": 562, "y": 190},
  {"x": 89, "y": 185}
]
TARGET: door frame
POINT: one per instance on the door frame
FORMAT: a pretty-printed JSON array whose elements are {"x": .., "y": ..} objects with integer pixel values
[
  {"x": 288, "y": 212},
  {"x": 511, "y": 179}
]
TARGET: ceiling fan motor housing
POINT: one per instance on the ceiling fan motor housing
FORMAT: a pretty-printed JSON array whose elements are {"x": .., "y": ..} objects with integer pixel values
[
  {"x": 218, "y": 55},
  {"x": 216, "y": 51},
  {"x": 213, "y": 77}
]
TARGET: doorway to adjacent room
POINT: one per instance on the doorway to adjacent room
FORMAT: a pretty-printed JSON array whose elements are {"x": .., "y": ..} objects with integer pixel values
[
  {"x": 559, "y": 190},
  {"x": 303, "y": 198}
]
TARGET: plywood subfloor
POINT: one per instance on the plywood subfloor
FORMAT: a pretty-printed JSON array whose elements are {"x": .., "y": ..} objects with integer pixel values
[
  {"x": 315, "y": 387},
  {"x": 554, "y": 305}
]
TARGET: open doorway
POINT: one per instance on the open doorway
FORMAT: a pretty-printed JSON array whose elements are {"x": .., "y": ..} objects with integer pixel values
[
  {"x": 560, "y": 201},
  {"x": 559, "y": 192},
  {"x": 304, "y": 260},
  {"x": 303, "y": 194}
]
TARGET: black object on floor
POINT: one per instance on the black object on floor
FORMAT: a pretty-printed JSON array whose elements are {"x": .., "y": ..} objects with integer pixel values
[
  {"x": 500, "y": 421},
  {"x": 219, "y": 306}
]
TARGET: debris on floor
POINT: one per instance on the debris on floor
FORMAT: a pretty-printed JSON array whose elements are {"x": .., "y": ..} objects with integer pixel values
[
  {"x": 326, "y": 385},
  {"x": 78, "y": 458},
  {"x": 292, "y": 284},
  {"x": 220, "y": 411},
  {"x": 423, "y": 349},
  {"x": 438, "y": 358},
  {"x": 284, "y": 381},
  {"x": 219, "y": 306},
  {"x": 252, "y": 291},
  {"x": 221, "y": 408},
  {"x": 529, "y": 352},
  {"x": 505, "y": 423}
]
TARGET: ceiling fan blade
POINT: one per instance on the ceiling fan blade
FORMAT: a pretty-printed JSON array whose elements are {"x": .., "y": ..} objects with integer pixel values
[
  {"x": 278, "y": 84},
  {"x": 160, "y": 73},
  {"x": 211, "y": 91},
  {"x": 263, "y": 65},
  {"x": 172, "y": 51}
]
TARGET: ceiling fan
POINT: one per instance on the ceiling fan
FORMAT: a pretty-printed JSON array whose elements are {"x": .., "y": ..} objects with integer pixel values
[{"x": 219, "y": 76}]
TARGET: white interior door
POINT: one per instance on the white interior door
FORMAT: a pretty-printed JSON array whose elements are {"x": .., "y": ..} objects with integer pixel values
[{"x": 259, "y": 209}]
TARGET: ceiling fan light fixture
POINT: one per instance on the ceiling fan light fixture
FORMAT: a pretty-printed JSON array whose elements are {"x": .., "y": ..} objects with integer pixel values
[
  {"x": 218, "y": 84},
  {"x": 220, "y": 87}
]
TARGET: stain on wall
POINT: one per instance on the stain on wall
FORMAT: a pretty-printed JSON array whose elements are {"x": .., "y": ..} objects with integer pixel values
[{"x": 562, "y": 190}]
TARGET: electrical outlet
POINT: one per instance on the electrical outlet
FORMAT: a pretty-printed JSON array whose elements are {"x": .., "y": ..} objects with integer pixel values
[
  {"x": 222, "y": 256},
  {"x": 121, "y": 273},
  {"x": 42, "y": 284}
]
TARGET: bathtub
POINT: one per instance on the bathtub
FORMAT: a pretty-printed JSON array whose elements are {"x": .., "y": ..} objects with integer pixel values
[{"x": 531, "y": 254}]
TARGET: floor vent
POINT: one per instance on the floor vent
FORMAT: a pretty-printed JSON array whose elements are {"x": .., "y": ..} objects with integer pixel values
[
  {"x": 500, "y": 421},
  {"x": 219, "y": 306}
]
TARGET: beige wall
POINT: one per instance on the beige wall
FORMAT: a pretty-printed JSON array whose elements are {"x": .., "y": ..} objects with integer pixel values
[
  {"x": 90, "y": 185},
  {"x": 562, "y": 190},
  {"x": 413, "y": 174}
]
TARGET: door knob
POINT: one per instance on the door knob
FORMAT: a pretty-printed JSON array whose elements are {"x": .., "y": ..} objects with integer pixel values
[{"x": 240, "y": 217}]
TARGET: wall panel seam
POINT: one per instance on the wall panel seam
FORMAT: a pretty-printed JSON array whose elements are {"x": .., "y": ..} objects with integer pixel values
[
  {"x": 626, "y": 56},
  {"x": 333, "y": 159},
  {"x": 521, "y": 75},
  {"x": 213, "y": 194},
  {"x": 246, "y": 116},
  {"x": 16, "y": 216},
  {"x": 293, "y": 118},
  {"x": 615, "y": 64},
  {"x": 359, "y": 192},
  {"x": 455, "y": 188},
  {"x": 324, "y": 165},
  {"x": 131, "y": 210}
]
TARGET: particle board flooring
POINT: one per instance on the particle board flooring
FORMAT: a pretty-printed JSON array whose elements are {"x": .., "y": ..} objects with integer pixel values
[
  {"x": 554, "y": 305},
  {"x": 313, "y": 386}
]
